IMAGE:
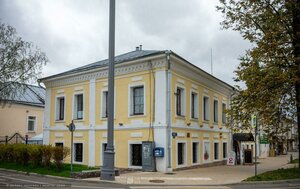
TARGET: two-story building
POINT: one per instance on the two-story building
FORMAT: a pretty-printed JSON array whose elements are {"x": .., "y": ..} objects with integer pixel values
[{"x": 159, "y": 96}]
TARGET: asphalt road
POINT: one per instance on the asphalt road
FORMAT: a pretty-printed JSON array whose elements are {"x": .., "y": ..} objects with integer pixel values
[{"x": 12, "y": 180}]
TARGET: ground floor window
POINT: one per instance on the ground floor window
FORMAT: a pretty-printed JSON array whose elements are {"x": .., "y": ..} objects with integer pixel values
[
  {"x": 104, "y": 145},
  {"x": 216, "y": 151},
  {"x": 180, "y": 153},
  {"x": 206, "y": 151},
  {"x": 78, "y": 152},
  {"x": 59, "y": 144},
  {"x": 224, "y": 150},
  {"x": 136, "y": 154},
  {"x": 195, "y": 152}
]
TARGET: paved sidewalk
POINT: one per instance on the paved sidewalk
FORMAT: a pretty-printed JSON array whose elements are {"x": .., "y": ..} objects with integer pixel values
[{"x": 205, "y": 176}]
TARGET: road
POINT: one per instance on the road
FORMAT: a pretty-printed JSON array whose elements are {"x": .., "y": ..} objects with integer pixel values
[{"x": 12, "y": 180}]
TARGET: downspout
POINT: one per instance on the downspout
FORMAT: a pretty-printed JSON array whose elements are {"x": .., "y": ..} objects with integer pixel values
[{"x": 169, "y": 92}]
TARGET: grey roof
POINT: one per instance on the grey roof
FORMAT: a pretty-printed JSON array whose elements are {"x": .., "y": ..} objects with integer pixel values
[
  {"x": 29, "y": 95},
  {"x": 133, "y": 55}
]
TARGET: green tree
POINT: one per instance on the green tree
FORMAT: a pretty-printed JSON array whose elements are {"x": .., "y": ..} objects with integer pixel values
[
  {"x": 20, "y": 62},
  {"x": 271, "y": 68}
]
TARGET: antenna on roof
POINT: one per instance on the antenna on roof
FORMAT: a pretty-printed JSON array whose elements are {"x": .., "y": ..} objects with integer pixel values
[{"x": 211, "y": 62}]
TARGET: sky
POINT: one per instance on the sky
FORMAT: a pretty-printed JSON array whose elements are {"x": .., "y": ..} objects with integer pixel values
[{"x": 74, "y": 33}]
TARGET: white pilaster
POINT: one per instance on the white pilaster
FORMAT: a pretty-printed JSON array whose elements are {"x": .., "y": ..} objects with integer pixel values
[
  {"x": 46, "y": 126},
  {"x": 92, "y": 102}
]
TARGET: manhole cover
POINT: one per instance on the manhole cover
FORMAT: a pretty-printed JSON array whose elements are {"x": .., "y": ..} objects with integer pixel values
[{"x": 157, "y": 181}]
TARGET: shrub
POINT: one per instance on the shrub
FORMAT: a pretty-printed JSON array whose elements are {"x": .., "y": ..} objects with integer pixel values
[
  {"x": 20, "y": 152},
  {"x": 59, "y": 154},
  {"x": 47, "y": 154},
  {"x": 6, "y": 153},
  {"x": 36, "y": 154}
]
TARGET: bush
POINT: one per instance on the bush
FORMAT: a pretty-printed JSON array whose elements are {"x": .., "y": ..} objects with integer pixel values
[
  {"x": 6, "y": 153},
  {"x": 21, "y": 155},
  {"x": 47, "y": 154},
  {"x": 36, "y": 154},
  {"x": 59, "y": 154}
]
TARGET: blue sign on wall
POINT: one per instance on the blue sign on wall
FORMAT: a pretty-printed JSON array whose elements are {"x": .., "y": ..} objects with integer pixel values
[{"x": 159, "y": 152}]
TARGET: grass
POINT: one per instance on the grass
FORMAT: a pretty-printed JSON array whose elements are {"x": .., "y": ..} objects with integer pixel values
[
  {"x": 295, "y": 161},
  {"x": 279, "y": 174},
  {"x": 52, "y": 170}
]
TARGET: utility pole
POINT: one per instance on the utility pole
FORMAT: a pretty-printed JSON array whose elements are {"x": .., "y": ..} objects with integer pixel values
[
  {"x": 108, "y": 169},
  {"x": 71, "y": 129}
]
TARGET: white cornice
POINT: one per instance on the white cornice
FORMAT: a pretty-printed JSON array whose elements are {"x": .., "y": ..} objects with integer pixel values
[{"x": 121, "y": 69}]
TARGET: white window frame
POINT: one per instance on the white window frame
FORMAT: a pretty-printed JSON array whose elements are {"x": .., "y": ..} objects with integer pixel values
[
  {"x": 216, "y": 111},
  {"x": 216, "y": 142},
  {"x": 208, "y": 108},
  {"x": 203, "y": 150},
  {"x": 184, "y": 153},
  {"x": 102, "y": 152},
  {"x": 129, "y": 154},
  {"x": 183, "y": 100},
  {"x": 130, "y": 98},
  {"x": 198, "y": 152},
  {"x": 223, "y": 150},
  {"x": 57, "y": 107},
  {"x": 34, "y": 126},
  {"x": 103, "y": 101},
  {"x": 196, "y": 111},
  {"x": 74, "y": 105},
  {"x": 74, "y": 153}
]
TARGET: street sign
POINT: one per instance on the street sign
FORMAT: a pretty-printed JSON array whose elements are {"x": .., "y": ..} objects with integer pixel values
[{"x": 231, "y": 158}]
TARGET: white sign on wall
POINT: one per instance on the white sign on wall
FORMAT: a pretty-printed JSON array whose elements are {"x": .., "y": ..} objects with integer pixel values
[{"x": 231, "y": 158}]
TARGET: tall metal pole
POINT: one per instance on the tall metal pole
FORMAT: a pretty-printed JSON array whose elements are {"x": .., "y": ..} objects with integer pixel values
[
  {"x": 72, "y": 151},
  {"x": 108, "y": 169},
  {"x": 255, "y": 146}
]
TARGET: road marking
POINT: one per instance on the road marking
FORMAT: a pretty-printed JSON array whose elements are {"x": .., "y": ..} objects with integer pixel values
[
  {"x": 169, "y": 178},
  {"x": 95, "y": 187},
  {"x": 180, "y": 187},
  {"x": 24, "y": 180}
]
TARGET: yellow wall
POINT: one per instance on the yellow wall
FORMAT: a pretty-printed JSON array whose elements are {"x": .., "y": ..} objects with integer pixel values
[{"x": 14, "y": 119}]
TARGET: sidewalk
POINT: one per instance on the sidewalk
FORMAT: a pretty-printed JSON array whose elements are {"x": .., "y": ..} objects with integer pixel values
[{"x": 205, "y": 176}]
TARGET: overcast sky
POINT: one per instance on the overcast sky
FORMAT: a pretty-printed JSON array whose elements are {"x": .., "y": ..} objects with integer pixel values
[{"x": 75, "y": 32}]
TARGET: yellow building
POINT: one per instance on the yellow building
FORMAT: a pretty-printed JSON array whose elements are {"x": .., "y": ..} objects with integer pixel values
[{"x": 159, "y": 96}]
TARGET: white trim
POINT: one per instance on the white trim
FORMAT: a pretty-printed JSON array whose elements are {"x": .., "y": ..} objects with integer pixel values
[
  {"x": 136, "y": 135},
  {"x": 218, "y": 104},
  {"x": 56, "y": 108},
  {"x": 78, "y": 162},
  {"x": 203, "y": 151},
  {"x": 223, "y": 150},
  {"x": 35, "y": 123},
  {"x": 184, "y": 153},
  {"x": 47, "y": 114},
  {"x": 59, "y": 135},
  {"x": 196, "y": 104},
  {"x": 130, "y": 98},
  {"x": 183, "y": 100},
  {"x": 92, "y": 102},
  {"x": 209, "y": 115},
  {"x": 92, "y": 148},
  {"x": 130, "y": 142},
  {"x": 83, "y": 104},
  {"x": 138, "y": 78},
  {"x": 198, "y": 152}
]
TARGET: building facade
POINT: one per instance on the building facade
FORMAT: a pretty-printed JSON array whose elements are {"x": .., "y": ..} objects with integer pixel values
[
  {"x": 159, "y": 97},
  {"x": 23, "y": 114}
]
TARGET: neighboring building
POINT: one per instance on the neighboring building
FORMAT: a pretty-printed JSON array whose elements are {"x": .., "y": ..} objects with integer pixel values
[
  {"x": 159, "y": 96},
  {"x": 24, "y": 113}
]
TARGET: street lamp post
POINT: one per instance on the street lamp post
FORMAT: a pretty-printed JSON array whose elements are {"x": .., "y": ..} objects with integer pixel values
[
  {"x": 71, "y": 129},
  {"x": 108, "y": 169}
]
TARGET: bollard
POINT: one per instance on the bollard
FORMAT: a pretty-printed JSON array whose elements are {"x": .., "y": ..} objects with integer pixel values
[{"x": 291, "y": 158}]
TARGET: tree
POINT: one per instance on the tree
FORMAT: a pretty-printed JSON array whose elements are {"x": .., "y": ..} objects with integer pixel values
[
  {"x": 20, "y": 62},
  {"x": 271, "y": 68}
]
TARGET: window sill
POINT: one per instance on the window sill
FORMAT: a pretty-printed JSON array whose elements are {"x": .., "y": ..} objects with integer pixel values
[
  {"x": 135, "y": 116},
  {"x": 180, "y": 116},
  {"x": 30, "y": 131},
  {"x": 205, "y": 121},
  {"x": 78, "y": 120},
  {"x": 60, "y": 121},
  {"x": 195, "y": 119}
]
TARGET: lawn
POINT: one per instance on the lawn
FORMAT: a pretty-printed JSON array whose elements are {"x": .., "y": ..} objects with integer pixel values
[
  {"x": 52, "y": 170},
  {"x": 279, "y": 174},
  {"x": 295, "y": 161}
]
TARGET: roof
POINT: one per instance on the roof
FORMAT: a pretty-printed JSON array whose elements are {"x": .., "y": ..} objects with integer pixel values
[
  {"x": 243, "y": 137},
  {"x": 29, "y": 95},
  {"x": 133, "y": 55}
]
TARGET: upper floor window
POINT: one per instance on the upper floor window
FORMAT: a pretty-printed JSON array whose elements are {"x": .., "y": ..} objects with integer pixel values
[
  {"x": 104, "y": 104},
  {"x": 180, "y": 101},
  {"x": 223, "y": 113},
  {"x": 60, "y": 108},
  {"x": 216, "y": 117},
  {"x": 206, "y": 108},
  {"x": 137, "y": 100},
  {"x": 194, "y": 105},
  {"x": 31, "y": 123},
  {"x": 78, "y": 106}
]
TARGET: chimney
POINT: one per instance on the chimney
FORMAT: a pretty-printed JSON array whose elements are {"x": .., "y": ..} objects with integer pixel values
[
  {"x": 141, "y": 47},
  {"x": 137, "y": 48}
]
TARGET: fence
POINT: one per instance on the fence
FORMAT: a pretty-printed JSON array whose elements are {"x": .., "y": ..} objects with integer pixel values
[{"x": 15, "y": 138}]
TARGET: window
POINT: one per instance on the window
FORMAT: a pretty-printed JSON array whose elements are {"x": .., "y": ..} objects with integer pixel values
[
  {"x": 78, "y": 152},
  {"x": 180, "y": 101},
  {"x": 137, "y": 100},
  {"x": 206, "y": 108},
  {"x": 224, "y": 150},
  {"x": 61, "y": 145},
  {"x": 104, "y": 104},
  {"x": 195, "y": 152},
  {"x": 216, "y": 104},
  {"x": 223, "y": 113},
  {"x": 31, "y": 123},
  {"x": 136, "y": 154},
  {"x": 78, "y": 106},
  {"x": 216, "y": 151},
  {"x": 180, "y": 153},
  {"x": 60, "y": 108},
  {"x": 194, "y": 105}
]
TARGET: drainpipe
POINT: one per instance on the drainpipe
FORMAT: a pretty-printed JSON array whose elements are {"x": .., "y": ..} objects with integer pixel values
[{"x": 169, "y": 92}]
